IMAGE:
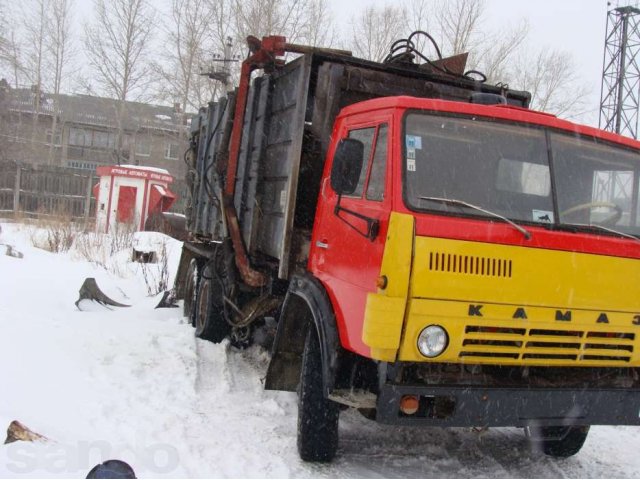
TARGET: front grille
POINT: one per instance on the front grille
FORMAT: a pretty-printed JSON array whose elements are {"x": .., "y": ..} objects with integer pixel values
[
  {"x": 470, "y": 264},
  {"x": 551, "y": 346}
]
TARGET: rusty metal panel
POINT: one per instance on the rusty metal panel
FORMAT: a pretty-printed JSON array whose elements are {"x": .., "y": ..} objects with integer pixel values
[
  {"x": 281, "y": 161},
  {"x": 250, "y": 215},
  {"x": 206, "y": 218},
  {"x": 248, "y": 176}
]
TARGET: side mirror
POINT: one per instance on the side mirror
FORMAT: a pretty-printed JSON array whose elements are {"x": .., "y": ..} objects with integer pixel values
[{"x": 347, "y": 164}]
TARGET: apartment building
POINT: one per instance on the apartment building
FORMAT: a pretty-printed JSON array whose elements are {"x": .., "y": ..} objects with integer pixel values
[{"x": 84, "y": 132}]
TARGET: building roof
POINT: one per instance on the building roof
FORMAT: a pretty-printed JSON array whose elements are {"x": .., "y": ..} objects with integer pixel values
[{"x": 96, "y": 111}]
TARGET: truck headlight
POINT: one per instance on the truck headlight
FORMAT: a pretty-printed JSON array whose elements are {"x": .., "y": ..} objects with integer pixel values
[{"x": 432, "y": 341}]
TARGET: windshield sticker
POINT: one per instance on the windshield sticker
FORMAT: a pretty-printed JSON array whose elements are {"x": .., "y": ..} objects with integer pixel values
[
  {"x": 411, "y": 153},
  {"x": 542, "y": 216},
  {"x": 414, "y": 141},
  {"x": 411, "y": 164}
]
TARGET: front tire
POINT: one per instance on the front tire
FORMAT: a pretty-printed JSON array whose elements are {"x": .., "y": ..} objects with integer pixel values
[
  {"x": 563, "y": 442},
  {"x": 209, "y": 316},
  {"x": 317, "y": 415}
]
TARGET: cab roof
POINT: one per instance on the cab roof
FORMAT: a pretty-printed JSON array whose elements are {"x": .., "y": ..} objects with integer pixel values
[{"x": 502, "y": 112}]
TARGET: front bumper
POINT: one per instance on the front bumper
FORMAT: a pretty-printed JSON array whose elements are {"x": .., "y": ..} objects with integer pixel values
[{"x": 465, "y": 406}]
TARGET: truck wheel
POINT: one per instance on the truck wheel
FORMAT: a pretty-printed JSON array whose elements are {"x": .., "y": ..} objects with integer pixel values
[
  {"x": 317, "y": 415},
  {"x": 209, "y": 317},
  {"x": 565, "y": 442},
  {"x": 191, "y": 281}
]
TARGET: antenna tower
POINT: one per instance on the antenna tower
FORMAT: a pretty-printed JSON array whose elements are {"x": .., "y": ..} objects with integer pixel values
[{"x": 620, "y": 91}]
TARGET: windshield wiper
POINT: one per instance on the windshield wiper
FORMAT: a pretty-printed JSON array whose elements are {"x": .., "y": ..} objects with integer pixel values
[
  {"x": 460, "y": 203},
  {"x": 607, "y": 229}
]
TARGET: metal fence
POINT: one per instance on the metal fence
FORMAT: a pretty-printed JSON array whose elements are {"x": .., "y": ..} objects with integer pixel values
[{"x": 38, "y": 190}]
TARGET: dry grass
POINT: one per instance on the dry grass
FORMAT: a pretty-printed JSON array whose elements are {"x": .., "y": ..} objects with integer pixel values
[
  {"x": 54, "y": 233},
  {"x": 58, "y": 233},
  {"x": 100, "y": 248},
  {"x": 156, "y": 275}
]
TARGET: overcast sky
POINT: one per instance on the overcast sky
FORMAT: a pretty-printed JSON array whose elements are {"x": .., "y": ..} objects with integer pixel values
[{"x": 577, "y": 26}]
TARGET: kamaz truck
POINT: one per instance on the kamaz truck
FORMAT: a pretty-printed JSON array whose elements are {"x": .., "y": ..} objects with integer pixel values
[{"x": 432, "y": 251}]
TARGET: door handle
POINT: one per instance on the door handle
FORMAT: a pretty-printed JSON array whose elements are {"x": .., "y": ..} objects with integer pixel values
[{"x": 322, "y": 244}]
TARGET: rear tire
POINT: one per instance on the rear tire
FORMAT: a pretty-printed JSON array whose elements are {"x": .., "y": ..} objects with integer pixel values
[
  {"x": 209, "y": 316},
  {"x": 317, "y": 416},
  {"x": 191, "y": 282},
  {"x": 564, "y": 441}
]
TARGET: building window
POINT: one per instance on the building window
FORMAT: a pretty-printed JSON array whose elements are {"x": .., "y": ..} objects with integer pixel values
[
  {"x": 55, "y": 139},
  {"x": 78, "y": 137},
  {"x": 143, "y": 146},
  {"x": 126, "y": 141},
  {"x": 82, "y": 137},
  {"x": 171, "y": 150},
  {"x": 83, "y": 165},
  {"x": 103, "y": 139}
]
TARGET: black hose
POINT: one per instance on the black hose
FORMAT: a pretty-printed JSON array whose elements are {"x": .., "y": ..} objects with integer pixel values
[{"x": 403, "y": 48}]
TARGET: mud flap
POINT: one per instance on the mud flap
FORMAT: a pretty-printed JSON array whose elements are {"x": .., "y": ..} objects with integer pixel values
[{"x": 90, "y": 291}]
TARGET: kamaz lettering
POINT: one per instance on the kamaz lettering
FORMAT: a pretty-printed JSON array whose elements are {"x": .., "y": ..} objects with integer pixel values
[{"x": 560, "y": 316}]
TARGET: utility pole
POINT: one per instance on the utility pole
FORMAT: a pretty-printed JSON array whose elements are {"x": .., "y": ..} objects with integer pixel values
[
  {"x": 620, "y": 90},
  {"x": 223, "y": 74}
]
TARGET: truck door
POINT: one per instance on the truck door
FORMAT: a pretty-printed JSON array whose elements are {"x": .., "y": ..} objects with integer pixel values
[{"x": 343, "y": 256}]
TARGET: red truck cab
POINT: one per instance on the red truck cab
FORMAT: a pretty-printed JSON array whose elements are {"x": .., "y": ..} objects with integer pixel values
[
  {"x": 485, "y": 258},
  {"x": 505, "y": 170}
]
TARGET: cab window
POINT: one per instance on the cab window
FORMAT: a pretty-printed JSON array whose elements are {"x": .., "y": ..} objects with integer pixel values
[
  {"x": 365, "y": 135},
  {"x": 372, "y": 175},
  {"x": 375, "y": 187}
]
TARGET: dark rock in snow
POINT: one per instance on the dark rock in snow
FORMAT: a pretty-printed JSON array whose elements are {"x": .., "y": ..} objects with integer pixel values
[{"x": 18, "y": 432}]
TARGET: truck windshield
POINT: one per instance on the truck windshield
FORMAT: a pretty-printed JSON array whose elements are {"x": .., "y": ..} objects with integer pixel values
[{"x": 505, "y": 168}]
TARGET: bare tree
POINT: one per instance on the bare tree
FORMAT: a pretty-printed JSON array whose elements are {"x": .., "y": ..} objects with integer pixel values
[
  {"x": 375, "y": 29},
  {"x": 495, "y": 55},
  {"x": 10, "y": 49},
  {"x": 188, "y": 36},
  {"x": 4, "y": 41},
  {"x": 118, "y": 46},
  {"x": 417, "y": 14},
  {"x": 59, "y": 48},
  {"x": 35, "y": 24},
  {"x": 58, "y": 36},
  {"x": 459, "y": 22},
  {"x": 319, "y": 29},
  {"x": 548, "y": 74},
  {"x": 270, "y": 17},
  {"x": 551, "y": 78}
]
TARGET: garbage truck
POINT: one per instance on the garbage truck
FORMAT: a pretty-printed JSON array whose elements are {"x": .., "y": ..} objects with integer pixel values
[{"x": 431, "y": 251}]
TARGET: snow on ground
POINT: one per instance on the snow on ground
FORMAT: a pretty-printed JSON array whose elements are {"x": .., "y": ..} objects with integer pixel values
[{"x": 133, "y": 383}]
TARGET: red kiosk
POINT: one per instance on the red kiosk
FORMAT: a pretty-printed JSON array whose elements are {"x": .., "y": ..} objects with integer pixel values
[{"x": 129, "y": 194}]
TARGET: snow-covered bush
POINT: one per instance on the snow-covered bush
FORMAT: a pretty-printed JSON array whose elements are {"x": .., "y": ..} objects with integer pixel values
[{"x": 104, "y": 249}]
